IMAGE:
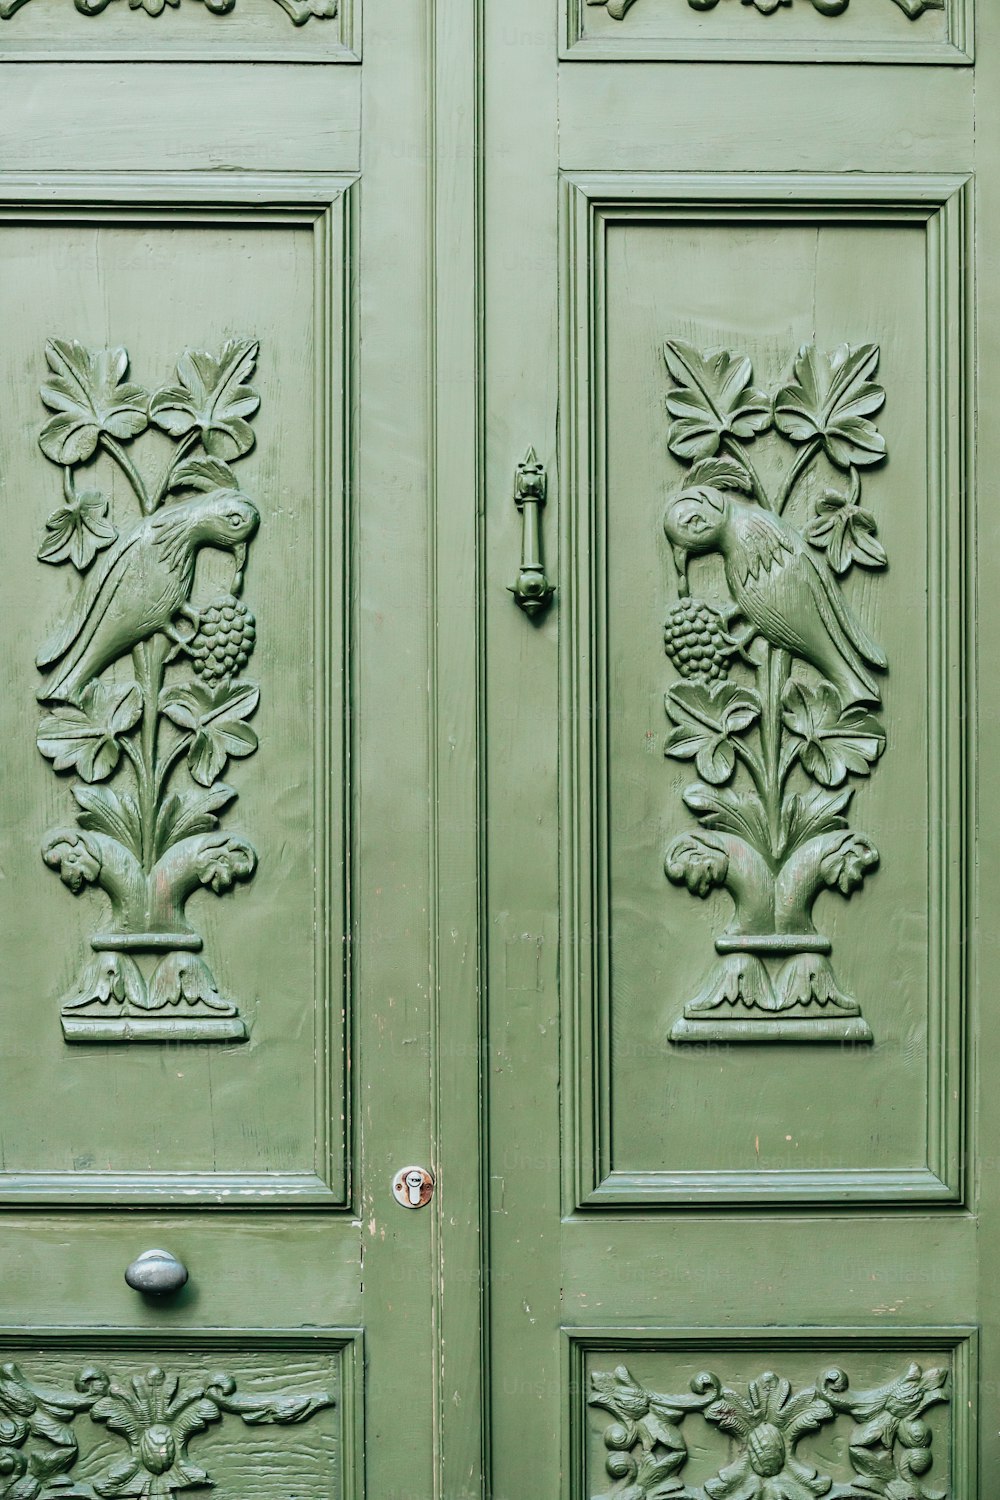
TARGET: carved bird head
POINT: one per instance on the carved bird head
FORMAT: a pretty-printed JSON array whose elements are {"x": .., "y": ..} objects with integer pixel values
[
  {"x": 221, "y": 518},
  {"x": 696, "y": 518},
  {"x": 694, "y": 523}
]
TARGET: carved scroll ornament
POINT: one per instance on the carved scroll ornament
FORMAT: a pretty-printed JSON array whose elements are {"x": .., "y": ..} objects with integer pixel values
[
  {"x": 780, "y": 679},
  {"x": 888, "y": 1448},
  {"x": 143, "y": 697},
  {"x": 911, "y": 8},
  {"x": 154, "y": 1415}
]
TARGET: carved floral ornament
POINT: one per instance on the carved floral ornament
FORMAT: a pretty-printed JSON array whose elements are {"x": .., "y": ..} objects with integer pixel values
[
  {"x": 780, "y": 679},
  {"x": 888, "y": 1447},
  {"x": 155, "y": 1415},
  {"x": 911, "y": 8},
  {"x": 300, "y": 11},
  {"x": 144, "y": 698}
]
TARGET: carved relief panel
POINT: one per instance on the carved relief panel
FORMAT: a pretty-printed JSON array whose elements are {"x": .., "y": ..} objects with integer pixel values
[
  {"x": 847, "y": 31},
  {"x": 126, "y": 1417},
  {"x": 151, "y": 844},
  {"x": 699, "y": 1419},
  {"x": 179, "y": 467},
  {"x": 181, "y": 30},
  {"x": 766, "y": 461},
  {"x": 792, "y": 687}
]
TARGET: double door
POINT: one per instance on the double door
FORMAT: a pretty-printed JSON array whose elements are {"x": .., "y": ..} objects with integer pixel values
[{"x": 511, "y": 1051}]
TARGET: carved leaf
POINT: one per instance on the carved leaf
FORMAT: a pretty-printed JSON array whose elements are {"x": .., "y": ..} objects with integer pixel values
[
  {"x": 722, "y": 473},
  {"x": 301, "y": 10},
  {"x": 915, "y": 8},
  {"x": 87, "y": 390},
  {"x": 618, "y": 1393},
  {"x": 831, "y": 400},
  {"x": 835, "y": 742},
  {"x": 213, "y": 396},
  {"x": 206, "y": 474},
  {"x": 807, "y": 815},
  {"x": 846, "y": 532},
  {"x": 731, "y": 812},
  {"x": 214, "y": 717},
  {"x": 707, "y": 715},
  {"x": 78, "y": 530},
  {"x": 108, "y": 978},
  {"x": 103, "y": 811},
  {"x": 713, "y": 398},
  {"x": 87, "y": 739},
  {"x": 257, "y": 1410},
  {"x": 182, "y": 814}
]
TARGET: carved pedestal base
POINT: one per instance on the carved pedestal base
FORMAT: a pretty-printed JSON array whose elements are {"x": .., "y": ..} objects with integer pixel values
[
  {"x": 172, "y": 998},
  {"x": 772, "y": 987},
  {"x": 138, "y": 1028},
  {"x": 752, "y": 1027}
]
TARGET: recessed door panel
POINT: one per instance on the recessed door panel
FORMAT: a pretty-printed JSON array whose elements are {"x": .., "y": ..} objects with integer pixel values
[
  {"x": 764, "y": 595},
  {"x": 173, "y": 399}
]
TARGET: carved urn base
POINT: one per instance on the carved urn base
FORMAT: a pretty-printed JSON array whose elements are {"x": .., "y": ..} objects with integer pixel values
[
  {"x": 171, "y": 997},
  {"x": 772, "y": 987}
]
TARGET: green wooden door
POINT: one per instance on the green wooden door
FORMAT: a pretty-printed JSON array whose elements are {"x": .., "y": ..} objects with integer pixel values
[
  {"x": 221, "y": 975},
  {"x": 547, "y": 1038},
  {"x": 743, "y": 1217}
]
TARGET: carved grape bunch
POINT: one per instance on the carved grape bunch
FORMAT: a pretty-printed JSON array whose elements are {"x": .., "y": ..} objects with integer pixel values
[
  {"x": 696, "y": 641},
  {"x": 224, "y": 640}
]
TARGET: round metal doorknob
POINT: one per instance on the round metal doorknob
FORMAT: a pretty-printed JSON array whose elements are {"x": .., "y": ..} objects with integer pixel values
[{"x": 156, "y": 1271}]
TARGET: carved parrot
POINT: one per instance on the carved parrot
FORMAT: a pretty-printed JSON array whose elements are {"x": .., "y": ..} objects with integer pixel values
[
  {"x": 140, "y": 584},
  {"x": 787, "y": 595}
]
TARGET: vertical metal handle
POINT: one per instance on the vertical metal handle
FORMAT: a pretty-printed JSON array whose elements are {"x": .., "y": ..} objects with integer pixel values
[{"x": 532, "y": 591}]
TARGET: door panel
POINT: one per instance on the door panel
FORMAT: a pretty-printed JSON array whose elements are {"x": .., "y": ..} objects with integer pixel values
[
  {"x": 103, "y": 1415},
  {"x": 270, "y": 974},
  {"x": 686, "y": 256},
  {"x": 723, "y": 1435}
]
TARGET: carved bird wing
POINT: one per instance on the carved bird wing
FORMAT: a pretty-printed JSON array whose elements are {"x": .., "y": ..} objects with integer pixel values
[
  {"x": 763, "y": 543},
  {"x": 90, "y": 607},
  {"x": 833, "y": 607}
]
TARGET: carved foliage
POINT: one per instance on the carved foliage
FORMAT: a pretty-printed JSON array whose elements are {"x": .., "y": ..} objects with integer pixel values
[
  {"x": 889, "y": 1446},
  {"x": 300, "y": 11},
  {"x": 155, "y": 1416},
  {"x": 780, "y": 681},
  {"x": 618, "y": 8},
  {"x": 143, "y": 697}
]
